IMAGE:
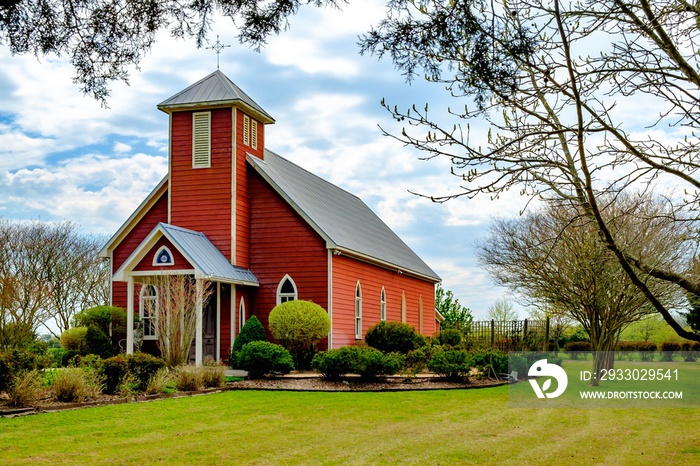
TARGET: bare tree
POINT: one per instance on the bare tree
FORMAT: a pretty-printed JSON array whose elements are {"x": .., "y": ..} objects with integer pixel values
[
  {"x": 554, "y": 259},
  {"x": 559, "y": 322},
  {"x": 77, "y": 277},
  {"x": 502, "y": 310},
  {"x": 549, "y": 79},
  {"x": 174, "y": 314},
  {"x": 48, "y": 272}
]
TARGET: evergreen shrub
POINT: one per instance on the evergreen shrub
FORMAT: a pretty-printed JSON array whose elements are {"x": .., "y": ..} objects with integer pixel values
[
  {"x": 450, "y": 337},
  {"x": 450, "y": 363},
  {"x": 260, "y": 358},
  {"x": 390, "y": 337},
  {"x": 143, "y": 366},
  {"x": 252, "y": 331},
  {"x": 334, "y": 363}
]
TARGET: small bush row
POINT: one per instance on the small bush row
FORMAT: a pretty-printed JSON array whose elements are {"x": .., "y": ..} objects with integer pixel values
[{"x": 368, "y": 363}]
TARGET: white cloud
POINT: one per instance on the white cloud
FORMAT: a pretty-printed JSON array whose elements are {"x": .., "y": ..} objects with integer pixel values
[
  {"x": 93, "y": 190},
  {"x": 120, "y": 147}
]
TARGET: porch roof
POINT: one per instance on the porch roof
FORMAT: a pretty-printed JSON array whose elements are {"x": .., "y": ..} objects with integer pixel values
[{"x": 208, "y": 262}]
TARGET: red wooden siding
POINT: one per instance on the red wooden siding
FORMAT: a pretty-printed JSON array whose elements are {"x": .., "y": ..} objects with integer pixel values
[
  {"x": 200, "y": 198},
  {"x": 158, "y": 213},
  {"x": 282, "y": 243},
  {"x": 225, "y": 315},
  {"x": 347, "y": 272},
  {"x": 242, "y": 228},
  {"x": 180, "y": 263}
]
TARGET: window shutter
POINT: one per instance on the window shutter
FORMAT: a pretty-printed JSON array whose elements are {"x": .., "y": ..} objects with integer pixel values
[
  {"x": 246, "y": 130},
  {"x": 201, "y": 140},
  {"x": 254, "y": 135}
]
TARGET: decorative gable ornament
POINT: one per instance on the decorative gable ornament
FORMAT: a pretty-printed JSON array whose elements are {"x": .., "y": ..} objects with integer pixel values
[{"x": 163, "y": 257}]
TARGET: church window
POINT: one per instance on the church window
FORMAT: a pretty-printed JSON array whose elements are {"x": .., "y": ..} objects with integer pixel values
[
  {"x": 286, "y": 290},
  {"x": 149, "y": 312},
  {"x": 163, "y": 257}
]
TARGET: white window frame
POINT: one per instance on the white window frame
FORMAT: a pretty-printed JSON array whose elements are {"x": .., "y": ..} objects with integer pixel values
[
  {"x": 403, "y": 307},
  {"x": 143, "y": 300},
  {"x": 241, "y": 314},
  {"x": 201, "y": 140},
  {"x": 358, "y": 311},
  {"x": 382, "y": 305},
  {"x": 284, "y": 297},
  {"x": 157, "y": 254}
]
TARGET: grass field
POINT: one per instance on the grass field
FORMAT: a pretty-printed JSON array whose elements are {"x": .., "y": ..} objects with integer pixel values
[{"x": 437, "y": 427}]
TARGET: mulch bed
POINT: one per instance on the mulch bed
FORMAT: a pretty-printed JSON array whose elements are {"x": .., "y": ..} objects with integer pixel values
[
  {"x": 317, "y": 384},
  {"x": 299, "y": 383}
]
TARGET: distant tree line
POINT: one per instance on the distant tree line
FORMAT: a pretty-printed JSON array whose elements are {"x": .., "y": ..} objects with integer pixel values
[{"x": 48, "y": 273}]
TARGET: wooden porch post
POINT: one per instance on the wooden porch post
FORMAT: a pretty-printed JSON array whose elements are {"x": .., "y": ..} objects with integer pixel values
[
  {"x": 130, "y": 315},
  {"x": 198, "y": 335}
]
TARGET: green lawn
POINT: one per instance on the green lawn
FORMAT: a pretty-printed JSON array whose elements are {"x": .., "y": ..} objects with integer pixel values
[{"x": 438, "y": 427}]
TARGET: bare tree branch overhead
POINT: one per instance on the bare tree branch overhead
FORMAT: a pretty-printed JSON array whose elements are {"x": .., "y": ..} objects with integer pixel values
[
  {"x": 103, "y": 38},
  {"x": 556, "y": 83}
]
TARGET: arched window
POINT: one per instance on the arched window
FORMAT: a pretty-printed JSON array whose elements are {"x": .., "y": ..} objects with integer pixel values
[
  {"x": 241, "y": 314},
  {"x": 403, "y": 306},
  {"x": 163, "y": 257},
  {"x": 286, "y": 290},
  {"x": 420, "y": 314},
  {"x": 358, "y": 312},
  {"x": 149, "y": 311},
  {"x": 382, "y": 305}
]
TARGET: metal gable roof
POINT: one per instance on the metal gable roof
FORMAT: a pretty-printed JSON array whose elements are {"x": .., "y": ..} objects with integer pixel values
[
  {"x": 341, "y": 218},
  {"x": 202, "y": 255},
  {"x": 215, "y": 89},
  {"x": 205, "y": 257}
]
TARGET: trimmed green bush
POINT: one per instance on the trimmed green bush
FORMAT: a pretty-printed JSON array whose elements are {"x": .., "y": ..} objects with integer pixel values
[
  {"x": 143, "y": 366},
  {"x": 416, "y": 360},
  {"x": 75, "y": 339},
  {"x": 391, "y": 337},
  {"x": 450, "y": 337},
  {"x": 298, "y": 325},
  {"x": 452, "y": 364},
  {"x": 113, "y": 371},
  {"x": 260, "y": 358},
  {"x": 490, "y": 362},
  {"x": 101, "y": 317},
  {"x": 370, "y": 363},
  {"x": 252, "y": 331},
  {"x": 98, "y": 342},
  {"x": 334, "y": 363}
]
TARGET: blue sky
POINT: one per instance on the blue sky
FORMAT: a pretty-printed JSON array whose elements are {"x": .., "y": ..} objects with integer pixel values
[{"x": 63, "y": 157}]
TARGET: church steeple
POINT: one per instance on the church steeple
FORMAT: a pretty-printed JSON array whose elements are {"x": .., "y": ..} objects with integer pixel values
[
  {"x": 215, "y": 90},
  {"x": 214, "y": 126}
]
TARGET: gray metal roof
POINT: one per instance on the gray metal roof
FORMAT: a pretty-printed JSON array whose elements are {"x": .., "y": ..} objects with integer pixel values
[
  {"x": 341, "y": 218},
  {"x": 205, "y": 257},
  {"x": 215, "y": 89}
]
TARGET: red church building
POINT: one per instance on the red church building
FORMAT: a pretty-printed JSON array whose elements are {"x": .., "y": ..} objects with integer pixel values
[{"x": 262, "y": 230}]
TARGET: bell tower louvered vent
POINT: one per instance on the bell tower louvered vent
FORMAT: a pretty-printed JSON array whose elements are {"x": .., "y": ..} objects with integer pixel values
[{"x": 201, "y": 140}]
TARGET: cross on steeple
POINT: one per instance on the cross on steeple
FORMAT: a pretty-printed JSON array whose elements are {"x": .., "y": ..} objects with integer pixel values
[{"x": 217, "y": 47}]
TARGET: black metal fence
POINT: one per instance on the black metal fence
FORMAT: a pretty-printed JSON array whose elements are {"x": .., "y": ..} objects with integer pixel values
[{"x": 512, "y": 335}]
